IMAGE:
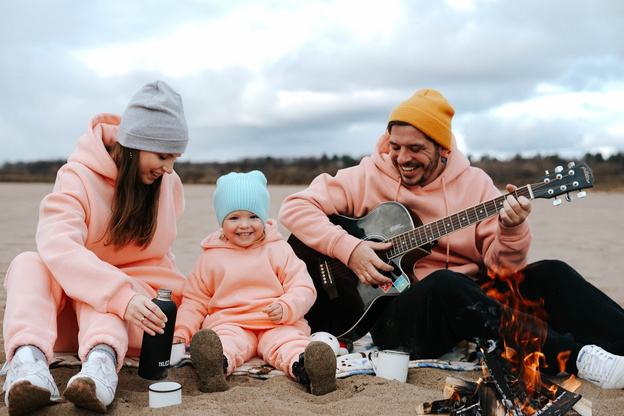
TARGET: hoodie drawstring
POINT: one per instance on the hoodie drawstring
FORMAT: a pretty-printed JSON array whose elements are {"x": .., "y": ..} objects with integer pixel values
[{"x": 446, "y": 207}]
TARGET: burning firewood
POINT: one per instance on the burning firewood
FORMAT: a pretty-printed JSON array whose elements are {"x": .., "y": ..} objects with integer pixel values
[
  {"x": 465, "y": 398},
  {"x": 502, "y": 393}
]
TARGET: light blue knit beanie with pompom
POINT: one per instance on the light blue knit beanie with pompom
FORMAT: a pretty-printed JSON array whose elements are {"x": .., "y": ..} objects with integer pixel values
[{"x": 242, "y": 191}]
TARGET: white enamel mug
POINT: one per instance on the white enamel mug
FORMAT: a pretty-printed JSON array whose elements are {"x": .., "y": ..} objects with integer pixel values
[
  {"x": 389, "y": 364},
  {"x": 165, "y": 393}
]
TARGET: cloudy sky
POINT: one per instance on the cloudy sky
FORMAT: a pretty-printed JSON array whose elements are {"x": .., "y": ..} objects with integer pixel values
[{"x": 306, "y": 78}]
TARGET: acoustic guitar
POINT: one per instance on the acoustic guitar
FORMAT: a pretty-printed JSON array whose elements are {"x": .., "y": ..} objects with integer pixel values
[{"x": 347, "y": 308}]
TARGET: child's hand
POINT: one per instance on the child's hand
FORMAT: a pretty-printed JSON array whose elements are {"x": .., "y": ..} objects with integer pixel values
[{"x": 275, "y": 312}]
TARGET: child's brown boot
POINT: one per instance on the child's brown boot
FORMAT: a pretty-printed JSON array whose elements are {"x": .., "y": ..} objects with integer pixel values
[
  {"x": 209, "y": 361},
  {"x": 316, "y": 368}
]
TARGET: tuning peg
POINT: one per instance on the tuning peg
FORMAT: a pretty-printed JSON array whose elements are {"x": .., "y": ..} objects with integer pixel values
[
  {"x": 568, "y": 198},
  {"x": 558, "y": 169},
  {"x": 547, "y": 173},
  {"x": 557, "y": 202},
  {"x": 582, "y": 194},
  {"x": 571, "y": 164}
]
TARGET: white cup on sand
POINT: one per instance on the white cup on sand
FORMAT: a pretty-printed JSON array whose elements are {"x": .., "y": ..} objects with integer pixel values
[
  {"x": 165, "y": 393},
  {"x": 389, "y": 364}
]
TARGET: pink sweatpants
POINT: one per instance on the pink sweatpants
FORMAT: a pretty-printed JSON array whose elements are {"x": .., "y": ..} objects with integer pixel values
[
  {"x": 39, "y": 313},
  {"x": 279, "y": 346}
]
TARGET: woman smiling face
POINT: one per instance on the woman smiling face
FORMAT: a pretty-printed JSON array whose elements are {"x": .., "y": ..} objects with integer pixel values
[{"x": 154, "y": 165}]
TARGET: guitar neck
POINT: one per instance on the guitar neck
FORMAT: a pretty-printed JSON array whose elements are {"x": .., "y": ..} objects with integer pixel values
[{"x": 428, "y": 233}]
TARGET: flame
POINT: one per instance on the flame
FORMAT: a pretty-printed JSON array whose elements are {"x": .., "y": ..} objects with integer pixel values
[
  {"x": 562, "y": 358},
  {"x": 523, "y": 329}
]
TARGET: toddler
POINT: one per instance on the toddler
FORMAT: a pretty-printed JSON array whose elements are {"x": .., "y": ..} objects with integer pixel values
[{"x": 247, "y": 295}]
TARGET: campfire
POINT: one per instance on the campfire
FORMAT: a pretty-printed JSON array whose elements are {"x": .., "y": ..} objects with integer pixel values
[
  {"x": 512, "y": 383},
  {"x": 502, "y": 393}
]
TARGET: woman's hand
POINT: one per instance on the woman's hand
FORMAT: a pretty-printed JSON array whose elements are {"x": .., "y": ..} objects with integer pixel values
[
  {"x": 145, "y": 314},
  {"x": 178, "y": 340},
  {"x": 274, "y": 311}
]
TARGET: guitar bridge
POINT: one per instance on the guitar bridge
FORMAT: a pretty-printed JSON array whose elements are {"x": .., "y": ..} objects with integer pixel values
[{"x": 328, "y": 282}]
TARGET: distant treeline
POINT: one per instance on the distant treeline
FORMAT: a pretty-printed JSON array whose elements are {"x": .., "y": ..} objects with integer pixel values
[{"x": 608, "y": 172}]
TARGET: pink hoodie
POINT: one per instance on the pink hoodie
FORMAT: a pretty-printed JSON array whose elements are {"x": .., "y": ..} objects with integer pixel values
[
  {"x": 355, "y": 191},
  {"x": 73, "y": 220},
  {"x": 231, "y": 284}
]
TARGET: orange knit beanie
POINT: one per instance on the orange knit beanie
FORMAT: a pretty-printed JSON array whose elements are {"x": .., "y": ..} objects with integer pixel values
[{"x": 429, "y": 112}]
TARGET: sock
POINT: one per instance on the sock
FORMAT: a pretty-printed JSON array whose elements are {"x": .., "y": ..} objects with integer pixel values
[
  {"x": 106, "y": 349},
  {"x": 36, "y": 352}
]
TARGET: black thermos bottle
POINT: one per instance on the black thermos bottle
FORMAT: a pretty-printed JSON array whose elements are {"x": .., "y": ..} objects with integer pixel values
[{"x": 156, "y": 350}]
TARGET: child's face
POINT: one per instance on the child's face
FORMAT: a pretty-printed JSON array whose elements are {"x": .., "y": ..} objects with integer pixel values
[{"x": 242, "y": 228}]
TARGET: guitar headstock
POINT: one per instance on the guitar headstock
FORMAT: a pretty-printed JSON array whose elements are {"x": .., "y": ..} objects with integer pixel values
[{"x": 564, "y": 181}]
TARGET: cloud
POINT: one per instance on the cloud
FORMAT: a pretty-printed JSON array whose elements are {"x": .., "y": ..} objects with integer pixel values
[{"x": 282, "y": 78}]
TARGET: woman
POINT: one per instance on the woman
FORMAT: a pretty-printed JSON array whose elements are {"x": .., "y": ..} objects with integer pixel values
[{"x": 103, "y": 249}]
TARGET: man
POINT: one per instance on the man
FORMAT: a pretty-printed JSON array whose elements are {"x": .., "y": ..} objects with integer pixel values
[{"x": 416, "y": 163}]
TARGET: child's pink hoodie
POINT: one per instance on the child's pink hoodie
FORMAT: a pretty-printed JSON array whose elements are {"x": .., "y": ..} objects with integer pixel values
[{"x": 231, "y": 284}]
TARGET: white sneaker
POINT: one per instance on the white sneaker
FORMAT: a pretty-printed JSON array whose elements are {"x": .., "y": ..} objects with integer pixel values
[
  {"x": 29, "y": 384},
  {"x": 94, "y": 386},
  {"x": 602, "y": 368}
]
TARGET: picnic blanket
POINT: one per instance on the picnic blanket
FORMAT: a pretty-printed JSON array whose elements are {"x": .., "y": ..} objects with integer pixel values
[{"x": 462, "y": 358}]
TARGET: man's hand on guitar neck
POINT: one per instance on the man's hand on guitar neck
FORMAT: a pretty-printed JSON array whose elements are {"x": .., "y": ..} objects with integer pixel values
[
  {"x": 514, "y": 211},
  {"x": 365, "y": 263}
]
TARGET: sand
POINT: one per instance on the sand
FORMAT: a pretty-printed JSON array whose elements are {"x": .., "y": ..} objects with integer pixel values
[{"x": 585, "y": 233}]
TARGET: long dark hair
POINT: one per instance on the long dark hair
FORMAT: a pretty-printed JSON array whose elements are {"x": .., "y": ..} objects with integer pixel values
[{"x": 135, "y": 205}]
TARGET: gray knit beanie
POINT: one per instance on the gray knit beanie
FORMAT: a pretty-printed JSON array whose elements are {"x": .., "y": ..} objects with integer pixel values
[{"x": 154, "y": 121}]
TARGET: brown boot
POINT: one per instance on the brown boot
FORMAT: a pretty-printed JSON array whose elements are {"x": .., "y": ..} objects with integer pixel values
[
  {"x": 316, "y": 368},
  {"x": 208, "y": 360}
]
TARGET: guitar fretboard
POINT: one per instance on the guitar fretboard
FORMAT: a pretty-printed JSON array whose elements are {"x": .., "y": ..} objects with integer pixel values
[{"x": 428, "y": 233}]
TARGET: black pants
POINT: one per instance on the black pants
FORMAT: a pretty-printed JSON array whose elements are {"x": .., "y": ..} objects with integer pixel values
[{"x": 438, "y": 312}]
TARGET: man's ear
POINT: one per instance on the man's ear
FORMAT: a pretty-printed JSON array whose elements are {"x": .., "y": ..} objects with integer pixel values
[{"x": 444, "y": 152}]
